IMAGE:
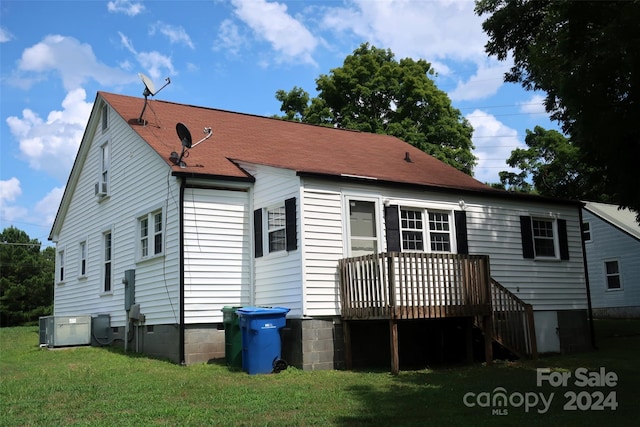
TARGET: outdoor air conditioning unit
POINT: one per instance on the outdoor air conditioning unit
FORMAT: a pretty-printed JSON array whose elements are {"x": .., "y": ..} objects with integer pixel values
[
  {"x": 63, "y": 331},
  {"x": 101, "y": 189}
]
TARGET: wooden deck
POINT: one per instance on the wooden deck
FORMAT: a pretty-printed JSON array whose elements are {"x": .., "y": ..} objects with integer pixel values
[
  {"x": 405, "y": 286},
  {"x": 398, "y": 286}
]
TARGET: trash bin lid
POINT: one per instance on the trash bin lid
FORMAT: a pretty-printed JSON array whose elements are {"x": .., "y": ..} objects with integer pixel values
[
  {"x": 262, "y": 311},
  {"x": 230, "y": 308}
]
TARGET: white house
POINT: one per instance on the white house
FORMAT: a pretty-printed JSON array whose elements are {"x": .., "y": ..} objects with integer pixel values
[
  {"x": 612, "y": 249},
  {"x": 262, "y": 212}
]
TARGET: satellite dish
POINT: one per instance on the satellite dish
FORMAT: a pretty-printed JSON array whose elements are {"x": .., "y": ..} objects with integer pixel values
[
  {"x": 187, "y": 142},
  {"x": 149, "y": 89},
  {"x": 184, "y": 135}
]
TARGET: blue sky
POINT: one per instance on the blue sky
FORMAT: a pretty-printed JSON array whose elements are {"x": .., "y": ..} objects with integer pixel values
[{"x": 227, "y": 54}]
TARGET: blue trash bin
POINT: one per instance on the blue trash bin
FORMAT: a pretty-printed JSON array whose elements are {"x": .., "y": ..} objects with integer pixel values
[{"x": 261, "y": 344}]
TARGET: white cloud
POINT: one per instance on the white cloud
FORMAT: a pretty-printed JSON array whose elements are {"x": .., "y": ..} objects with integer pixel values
[
  {"x": 229, "y": 38},
  {"x": 535, "y": 105},
  {"x": 74, "y": 61},
  {"x": 153, "y": 61},
  {"x": 271, "y": 22},
  {"x": 173, "y": 33},
  {"x": 494, "y": 142},
  {"x": 432, "y": 30},
  {"x": 125, "y": 6},
  {"x": 10, "y": 190},
  {"x": 483, "y": 84},
  {"x": 5, "y": 35},
  {"x": 51, "y": 145},
  {"x": 47, "y": 207}
]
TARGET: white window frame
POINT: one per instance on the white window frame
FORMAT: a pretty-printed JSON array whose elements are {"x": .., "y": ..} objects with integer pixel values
[
  {"x": 378, "y": 214},
  {"x": 152, "y": 234},
  {"x": 107, "y": 277},
  {"x": 585, "y": 228},
  {"x": 407, "y": 229},
  {"x": 426, "y": 229},
  {"x": 555, "y": 238},
  {"x": 105, "y": 117},
  {"x": 83, "y": 259},
  {"x": 450, "y": 232},
  {"x": 61, "y": 274},
  {"x": 607, "y": 275},
  {"x": 271, "y": 229},
  {"x": 105, "y": 165}
]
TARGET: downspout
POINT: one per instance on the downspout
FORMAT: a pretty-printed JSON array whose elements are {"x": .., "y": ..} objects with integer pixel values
[
  {"x": 181, "y": 245},
  {"x": 586, "y": 278}
]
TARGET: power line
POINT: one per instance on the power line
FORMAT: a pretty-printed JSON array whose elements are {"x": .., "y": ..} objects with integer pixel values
[{"x": 20, "y": 244}]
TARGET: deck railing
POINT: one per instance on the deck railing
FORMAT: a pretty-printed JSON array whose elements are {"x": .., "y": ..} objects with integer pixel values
[
  {"x": 513, "y": 324},
  {"x": 394, "y": 285}
]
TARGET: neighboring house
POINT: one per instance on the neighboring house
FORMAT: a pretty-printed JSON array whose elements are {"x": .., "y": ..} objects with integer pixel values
[
  {"x": 612, "y": 248},
  {"x": 265, "y": 211}
]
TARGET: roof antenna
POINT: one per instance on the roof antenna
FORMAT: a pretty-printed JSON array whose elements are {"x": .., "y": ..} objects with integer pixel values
[
  {"x": 185, "y": 139},
  {"x": 149, "y": 89}
]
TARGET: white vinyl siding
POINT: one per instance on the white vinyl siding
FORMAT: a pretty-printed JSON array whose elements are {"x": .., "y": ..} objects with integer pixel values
[
  {"x": 323, "y": 248},
  {"x": 217, "y": 248},
  {"x": 278, "y": 275},
  {"x": 547, "y": 285},
  {"x": 493, "y": 228},
  {"x": 132, "y": 163}
]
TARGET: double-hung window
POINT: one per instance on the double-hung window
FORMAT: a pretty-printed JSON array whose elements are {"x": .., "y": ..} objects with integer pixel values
[
  {"x": 425, "y": 230},
  {"x": 612, "y": 274},
  {"x": 586, "y": 231},
  {"x": 439, "y": 232},
  {"x": 150, "y": 229},
  {"x": 61, "y": 259},
  {"x": 411, "y": 222},
  {"x": 276, "y": 228},
  {"x": 543, "y": 237},
  {"x": 83, "y": 258},
  {"x": 107, "y": 266}
]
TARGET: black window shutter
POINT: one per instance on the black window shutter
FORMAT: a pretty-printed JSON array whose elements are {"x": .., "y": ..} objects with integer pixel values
[
  {"x": 392, "y": 228},
  {"x": 563, "y": 239},
  {"x": 461, "y": 232},
  {"x": 527, "y": 237},
  {"x": 257, "y": 232},
  {"x": 291, "y": 229}
]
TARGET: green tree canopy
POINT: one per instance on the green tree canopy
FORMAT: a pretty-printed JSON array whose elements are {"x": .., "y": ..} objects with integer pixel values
[
  {"x": 555, "y": 167},
  {"x": 26, "y": 278},
  {"x": 585, "y": 56},
  {"x": 373, "y": 92}
]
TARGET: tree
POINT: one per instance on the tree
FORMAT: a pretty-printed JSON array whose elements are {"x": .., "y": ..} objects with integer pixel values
[
  {"x": 373, "y": 92},
  {"x": 26, "y": 278},
  {"x": 556, "y": 168},
  {"x": 585, "y": 56}
]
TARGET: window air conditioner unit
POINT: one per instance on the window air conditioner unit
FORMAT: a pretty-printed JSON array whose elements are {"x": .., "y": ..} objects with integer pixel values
[{"x": 101, "y": 189}]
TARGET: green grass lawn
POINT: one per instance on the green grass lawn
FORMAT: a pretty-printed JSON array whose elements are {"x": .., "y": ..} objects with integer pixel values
[{"x": 104, "y": 387}]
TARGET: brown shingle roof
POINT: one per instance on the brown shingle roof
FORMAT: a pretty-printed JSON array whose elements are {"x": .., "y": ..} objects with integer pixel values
[{"x": 267, "y": 141}]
